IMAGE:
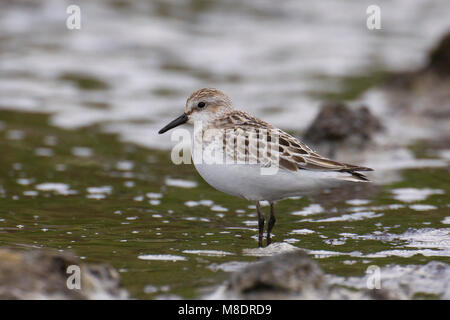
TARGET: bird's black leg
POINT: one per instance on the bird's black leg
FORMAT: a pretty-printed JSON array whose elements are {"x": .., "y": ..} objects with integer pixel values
[
  {"x": 271, "y": 223},
  {"x": 260, "y": 224}
]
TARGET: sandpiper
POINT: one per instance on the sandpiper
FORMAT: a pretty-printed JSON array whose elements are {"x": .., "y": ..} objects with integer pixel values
[{"x": 249, "y": 145}]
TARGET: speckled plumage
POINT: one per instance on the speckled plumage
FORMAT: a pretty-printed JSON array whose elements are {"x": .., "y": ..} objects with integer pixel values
[{"x": 292, "y": 155}]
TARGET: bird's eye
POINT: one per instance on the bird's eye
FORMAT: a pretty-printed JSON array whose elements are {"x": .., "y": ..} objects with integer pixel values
[{"x": 201, "y": 104}]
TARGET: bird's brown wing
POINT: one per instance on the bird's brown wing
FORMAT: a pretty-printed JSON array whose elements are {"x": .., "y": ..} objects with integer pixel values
[{"x": 290, "y": 153}]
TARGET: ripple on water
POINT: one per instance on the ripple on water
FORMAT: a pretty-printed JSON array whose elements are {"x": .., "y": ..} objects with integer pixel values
[
  {"x": 428, "y": 241},
  {"x": 161, "y": 257},
  {"x": 44, "y": 152},
  {"x": 311, "y": 209},
  {"x": 181, "y": 183},
  {"x": 197, "y": 219},
  {"x": 348, "y": 217},
  {"x": 206, "y": 203},
  {"x": 357, "y": 202},
  {"x": 125, "y": 165},
  {"x": 218, "y": 208},
  {"x": 15, "y": 134},
  {"x": 414, "y": 194},
  {"x": 302, "y": 231},
  {"x": 24, "y": 181},
  {"x": 100, "y": 190},
  {"x": 154, "y": 195},
  {"x": 96, "y": 196},
  {"x": 58, "y": 188},
  {"x": 394, "y": 206},
  {"x": 406, "y": 280},
  {"x": 325, "y": 253},
  {"x": 30, "y": 193},
  {"x": 82, "y": 152},
  {"x": 210, "y": 253}
]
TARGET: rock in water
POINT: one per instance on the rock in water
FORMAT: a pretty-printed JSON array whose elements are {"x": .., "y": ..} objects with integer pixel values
[
  {"x": 278, "y": 276},
  {"x": 289, "y": 275},
  {"x": 439, "y": 58},
  {"x": 424, "y": 93},
  {"x": 43, "y": 274}
]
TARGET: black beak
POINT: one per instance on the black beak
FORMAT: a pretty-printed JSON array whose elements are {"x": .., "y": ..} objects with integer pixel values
[{"x": 175, "y": 123}]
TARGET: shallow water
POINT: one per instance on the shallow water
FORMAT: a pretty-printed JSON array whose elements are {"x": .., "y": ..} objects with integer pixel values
[{"x": 169, "y": 233}]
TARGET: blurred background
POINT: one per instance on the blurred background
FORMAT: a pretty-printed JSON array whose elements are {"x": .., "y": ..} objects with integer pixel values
[
  {"x": 133, "y": 63},
  {"x": 83, "y": 169}
]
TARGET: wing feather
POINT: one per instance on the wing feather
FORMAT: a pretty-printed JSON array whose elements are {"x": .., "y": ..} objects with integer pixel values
[{"x": 292, "y": 154}]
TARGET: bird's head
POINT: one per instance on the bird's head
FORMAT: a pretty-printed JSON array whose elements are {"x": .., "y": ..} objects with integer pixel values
[{"x": 203, "y": 105}]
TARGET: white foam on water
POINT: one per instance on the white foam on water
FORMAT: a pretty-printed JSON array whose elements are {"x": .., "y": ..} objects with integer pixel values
[
  {"x": 350, "y": 217},
  {"x": 422, "y": 207},
  {"x": 414, "y": 194}
]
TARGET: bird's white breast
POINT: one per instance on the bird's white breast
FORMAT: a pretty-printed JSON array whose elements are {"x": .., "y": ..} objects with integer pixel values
[{"x": 246, "y": 181}]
